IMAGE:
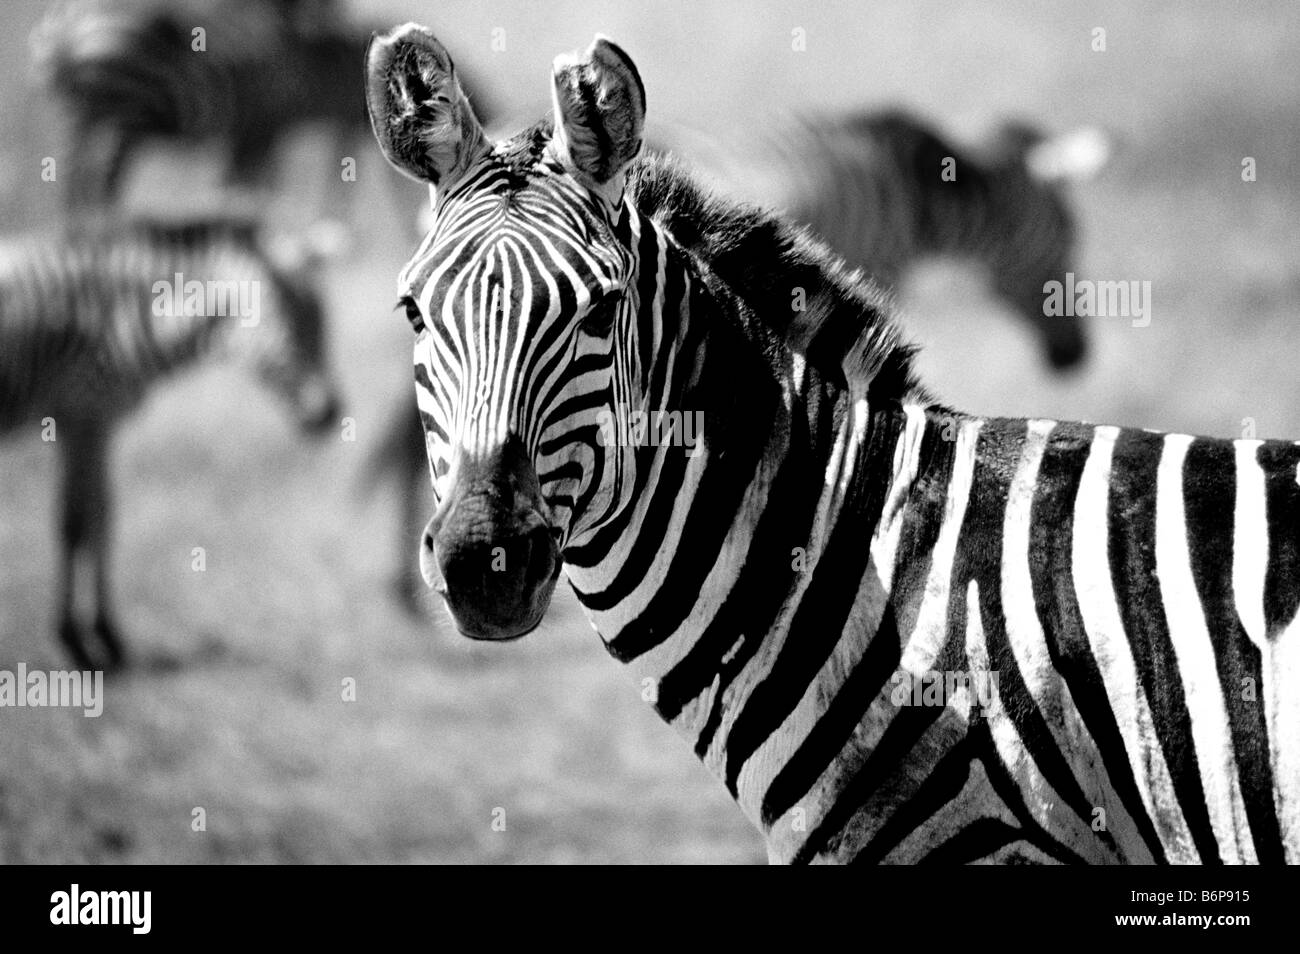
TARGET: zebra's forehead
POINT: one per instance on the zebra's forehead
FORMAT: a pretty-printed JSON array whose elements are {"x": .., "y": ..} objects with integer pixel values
[
  {"x": 526, "y": 243},
  {"x": 541, "y": 261},
  {"x": 518, "y": 210}
]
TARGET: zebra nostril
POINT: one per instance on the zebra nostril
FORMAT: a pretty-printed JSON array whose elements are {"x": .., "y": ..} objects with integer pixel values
[{"x": 427, "y": 542}]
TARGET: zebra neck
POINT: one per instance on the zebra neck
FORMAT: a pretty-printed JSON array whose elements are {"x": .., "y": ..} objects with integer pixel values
[
  {"x": 735, "y": 630},
  {"x": 211, "y": 304},
  {"x": 177, "y": 341},
  {"x": 870, "y": 549},
  {"x": 958, "y": 216}
]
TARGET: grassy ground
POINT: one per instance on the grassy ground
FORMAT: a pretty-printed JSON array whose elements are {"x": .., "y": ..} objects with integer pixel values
[{"x": 240, "y": 711}]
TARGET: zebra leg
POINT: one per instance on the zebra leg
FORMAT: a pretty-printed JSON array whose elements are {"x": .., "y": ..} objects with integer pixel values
[
  {"x": 251, "y": 162},
  {"x": 69, "y": 628},
  {"x": 400, "y": 458},
  {"x": 98, "y": 164},
  {"x": 86, "y": 516}
]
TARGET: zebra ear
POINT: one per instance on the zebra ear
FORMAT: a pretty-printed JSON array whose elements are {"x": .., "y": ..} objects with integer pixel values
[
  {"x": 419, "y": 114},
  {"x": 1070, "y": 157},
  {"x": 599, "y": 115}
]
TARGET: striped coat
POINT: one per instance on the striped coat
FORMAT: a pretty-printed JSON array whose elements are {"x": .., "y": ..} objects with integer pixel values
[
  {"x": 871, "y": 185},
  {"x": 896, "y": 632}
]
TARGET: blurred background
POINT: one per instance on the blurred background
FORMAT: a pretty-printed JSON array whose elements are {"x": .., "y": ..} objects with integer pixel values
[{"x": 246, "y": 718}]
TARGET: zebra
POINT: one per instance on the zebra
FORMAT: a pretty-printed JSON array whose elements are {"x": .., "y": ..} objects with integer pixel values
[
  {"x": 886, "y": 190},
  {"x": 871, "y": 184},
  {"x": 89, "y": 323},
  {"x": 1102, "y": 620},
  {"x": 127, "y": 73}
]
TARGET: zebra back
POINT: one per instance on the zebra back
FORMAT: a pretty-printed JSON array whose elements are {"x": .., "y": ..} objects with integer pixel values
[
  {"x": 131, "y": 64},
  {"x": 126, "y": 71}
]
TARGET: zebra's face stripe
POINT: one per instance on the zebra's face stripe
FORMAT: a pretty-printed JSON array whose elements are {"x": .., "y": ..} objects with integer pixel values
[{"x": 518, "y": 295}]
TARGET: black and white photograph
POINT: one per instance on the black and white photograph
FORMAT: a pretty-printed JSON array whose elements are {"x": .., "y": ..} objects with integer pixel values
[{"x": 650, "y": 433}]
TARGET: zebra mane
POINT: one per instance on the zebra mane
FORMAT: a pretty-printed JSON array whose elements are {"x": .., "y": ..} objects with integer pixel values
[{"x": 845, "y": 328}]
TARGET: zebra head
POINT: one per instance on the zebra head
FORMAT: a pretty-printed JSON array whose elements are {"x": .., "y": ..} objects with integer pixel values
[
  {"x": 519, "y": 296},
  {"x": 293, "y": 363},
  {"x": 273, "y": 284},
  {"x": 1030, "y": 177}
]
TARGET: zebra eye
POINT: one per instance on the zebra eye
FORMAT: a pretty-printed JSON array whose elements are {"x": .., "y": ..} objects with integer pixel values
[
  {"x": 599, "y": 319},
  {"x": 412, "y": 312}
]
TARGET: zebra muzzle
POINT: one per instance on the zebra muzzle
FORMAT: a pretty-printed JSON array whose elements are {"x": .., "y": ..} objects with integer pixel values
[
  {"x": 317, "y": 406},
  {"x": 497, "y": 588},
  {"x": 489, "y": 551}
]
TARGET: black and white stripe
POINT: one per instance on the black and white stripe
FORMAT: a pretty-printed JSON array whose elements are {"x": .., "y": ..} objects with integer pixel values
[
  {"x": 1134, "y": 593},
  {"x": 86, "y": 330},
  {"x": 871, "y": 185}
]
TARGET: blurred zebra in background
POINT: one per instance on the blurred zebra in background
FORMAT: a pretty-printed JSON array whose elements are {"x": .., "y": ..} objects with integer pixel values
[
  {"x": 127, "y": 73},
  {"x": 872, "y": 185},
  {"x": 895, "y": 631},
  {"x": 887, "y": 191},
  {"x": 90, "y": 323}
]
